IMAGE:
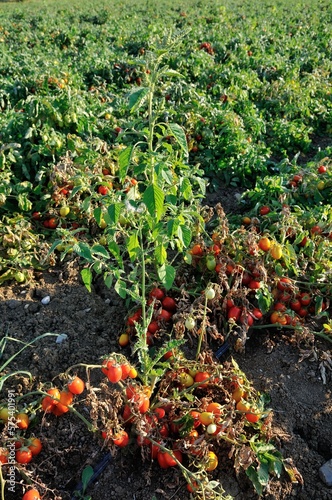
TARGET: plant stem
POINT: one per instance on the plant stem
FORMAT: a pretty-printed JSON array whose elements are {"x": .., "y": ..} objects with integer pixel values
[{"x": 202, "y": 333}]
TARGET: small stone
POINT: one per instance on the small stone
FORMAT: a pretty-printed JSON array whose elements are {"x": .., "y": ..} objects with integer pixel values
[
  {"x": 13, "y": 304},
  {"x": 325, "y": 473},
  {"x": 46, "y": 300}
]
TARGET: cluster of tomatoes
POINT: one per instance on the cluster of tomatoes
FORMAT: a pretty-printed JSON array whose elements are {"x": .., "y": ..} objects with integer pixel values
[
  {"x": 291, "y": 305},
  {"x": 164, "y": 308},
  {"x": 58, "y": 401},
  {"x": 25, "y": 447},
  {"x": 172, "y": 433},
  {"x": 117, "y": 368}
]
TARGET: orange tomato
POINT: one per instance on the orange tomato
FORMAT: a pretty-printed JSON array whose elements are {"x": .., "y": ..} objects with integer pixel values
[
  {"x": 76, "y": 385},
  {"x": 264, "y": 243}
]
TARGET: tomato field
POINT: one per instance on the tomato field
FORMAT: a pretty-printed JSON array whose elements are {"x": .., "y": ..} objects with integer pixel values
[{"x": 168, "y": 168}]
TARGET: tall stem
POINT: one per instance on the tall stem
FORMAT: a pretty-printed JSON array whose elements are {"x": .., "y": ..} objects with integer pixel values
[{"x": 202, "y": 332}]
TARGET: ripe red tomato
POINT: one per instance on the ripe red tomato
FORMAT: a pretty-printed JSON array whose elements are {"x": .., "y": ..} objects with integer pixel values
[
  {"x": 201, "y": 377},
  {"x": 257, "y": 313},
  {"x": 31, "y": 495},
  {"x": 246, "y": 317},
  {"x": 295, "y": 305},
  {"x": 114, "y": 373},
  {"x": 195, "y": 415},
  {"x": 252, "y": 416},
  {"x": 157, "y": 293},
  {"x": 35, "y": 445},
  {"x": 160, "y": 413},
  {"x": 125, "y": 368},
  {"x": 162, "y": 459},
  {"x": 52, "y": 223},
  {"x": 3, "y": 456},
  {"x": 49, "y": 402},
  {"x": 169, "y": 304},
  {"x": 234, "y": 313},
  {"x": 279, "y": 306},
  {"x": 169, "y": 459},
  {"x": 297, "y": 178},
  {"x": 121, "y": 439},
  {"x": 153, "y": 327},
  {"x": 303, "y": 242},
  {"x": 316, "y": 230},
  {"x": 165, "y": 315},
  {"x": 76, "y": 386},
  {"x": 303, "y": 312},
  {"x": 197, "y": 250},
  {"x": 36, "y": 215},
  {"x": 264, "y": 210},
  {"x": 135, "y": 317},
  {"x": 103, "y": 190},
  {"x": 322, "y": 169},
  {"x": 284, "y": 284},
  {"x": 246, "y": 278},
  {"x": 285, "y": 296},
  {"x": 23, "y": 456},
  {"x": 254, "y": 285},
  {"x": 305, "y": 299}
]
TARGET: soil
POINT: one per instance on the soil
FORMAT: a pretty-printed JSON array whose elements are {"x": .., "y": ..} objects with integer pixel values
[{"x": 298, "y": 381}]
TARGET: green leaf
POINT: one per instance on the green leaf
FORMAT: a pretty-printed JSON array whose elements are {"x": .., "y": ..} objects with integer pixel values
[
  {"x": 172, "y": 227},
  {"x": 153, "y": 198},
  {"x": 185, "y": 235},
  {"x": 23, "y": 202},
  {"x": 98, "y": 215},
  {"x": 185, "y": 188},
  {"x": 100, "y": 250},
  {"x": 264, "y": 299},
  {"x": 87, "y": 277},
  {"x": 172, "y": 73},
  {"x": 114, "y": 212},
  {"x": 253, "y": 476},
  {"x": 178, "y": 133},
  {"x": 86, "y": 476},
  {"x": 166, "y": 274},
  {"x": 137, "y": 98},
  {"x": 160, "y": 254},
  {"x": 115, "y": 250},
  {"x": 83, "y": 250},
  {"x": 120, "y": 288},
  {"x": 124, "y": 161},
  {"x": 133, "y": 246}
]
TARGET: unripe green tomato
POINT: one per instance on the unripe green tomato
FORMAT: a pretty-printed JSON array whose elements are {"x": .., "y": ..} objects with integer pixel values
[
  {"x": 210, "y": 294},
  {"x": 19, "y": 277},
  {"x": 211, "y": 263},
  {"x": 211, "y": 428},
  {"x": 186, "y": 379},
  {"x": 190, "y": 323}
]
